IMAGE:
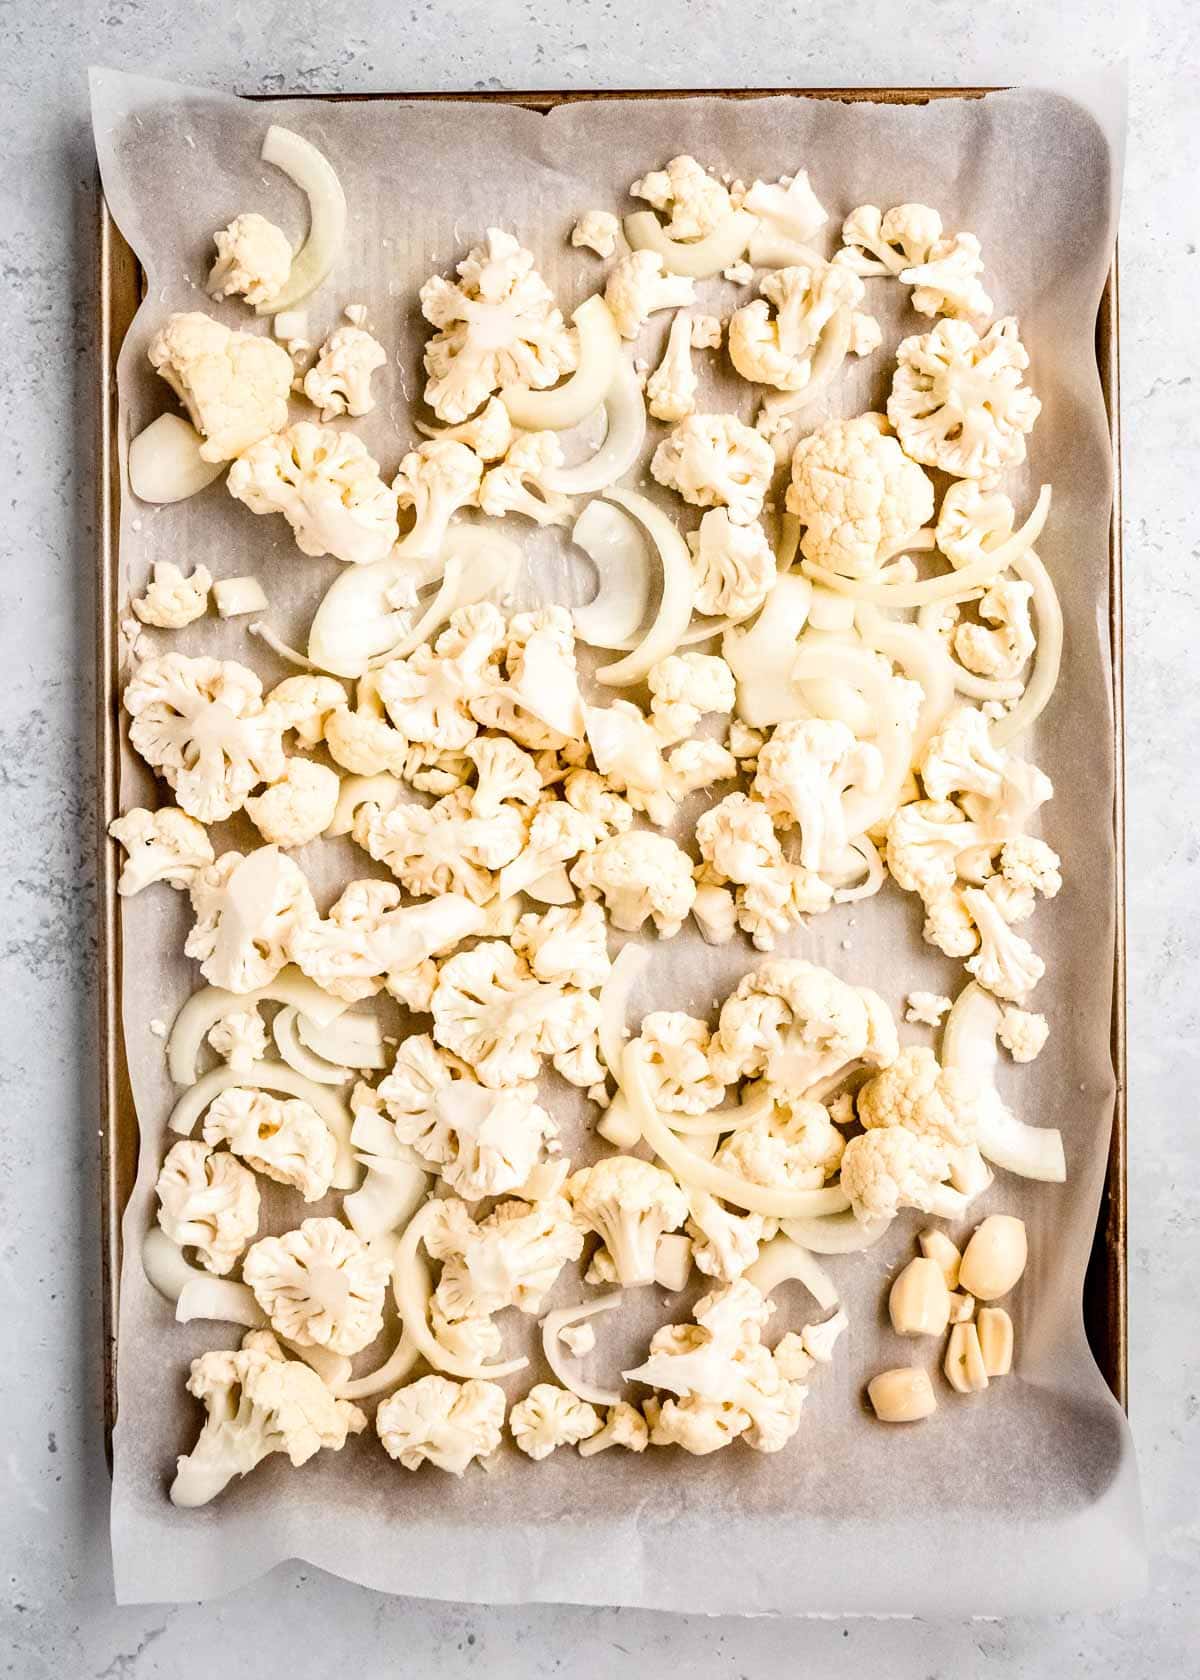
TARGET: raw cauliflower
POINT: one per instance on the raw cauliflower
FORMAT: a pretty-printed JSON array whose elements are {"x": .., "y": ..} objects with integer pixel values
[
  {"x": 489, "y": 1009},
  {"x": 638, "y": 286},
  {"x": 512, "y": 1258},
  {"x": 254, "y": 259},
  {"x": 733, "y": 566},
  {"x": 892, "y": 1168},
  {"x": 235, "y": 386},
  {"x": 296, "y": 809},
  {"x": 551, "y": 1417},
  {"x": 247, "y": 908},
  {"x": 286, "y": 1141},
  {"x": 803, "y": 774},
  {"x": 857, "y": 495},
  {"x": 596, "y": 230},
  {"x": 671, "y": 388},
  {"x": 326, "y": 486},
  {"x": 795, "y": 1146},
  {"x": 172, "y": 600},
  {"x": 339, "y": 381},
  {"x": 675, "y": 1047},
  {"x": 640, "y": 877},
  {"x": 320, "y": 1285},
  {"x": 685, "y": 687},
  {"x": 958, "y": 401},
  {"x": 778, "y": 349},
  {"x": 1003, "y": 644},
  {"x": 684, "y": 191},
  {"x": 629, "y": 1204},
  {"x": 207, "y": 1201},
  {"x": 444, "y": 847},
  {"x": 715, "y": 460},
  {"x": 165, "y": 845},
  {"x": 440, "y": 1422}
]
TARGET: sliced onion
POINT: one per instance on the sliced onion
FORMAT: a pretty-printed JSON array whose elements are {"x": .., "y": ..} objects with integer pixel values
[
  {"x": 383, "y": 790},
  {"x": 826, "y": 364},
  {"x": 410, "y": 1286},
  {"x": 717, "y": 1121},
  {"x": 332, "y": 1368},
  {"x": 388, "y": 1375},
  {"x": 277, "y": 645},
  {"x": 618, "y": 1126},
  {"x": 678, "y": 593},
  {"x": 782, "y": 1259},
  {"x": 761, "y": 658},
  {"x": 563, "y": 1367},
  {"x": 220, "y": 1300},
  {"x": 625, "y": 413},
  {"x": 922, "y": 657},
  {"x": 389, "y": 1195},
  {"x": 975, "y": 687},
  {"x": 355, "y": 622},
  {"x": 969, "y": 1043},
  {"x": 701, "y": 258},
  {"x": 673, "y": 1261},
  {"x": 164, "y": 1265},
  {"x": 614, "y": 543},
  {"x": 479, "y": 564},
  {"x": 841, "y": 1234},
  {"x": 205, "y": 1008},
  {"x": 875, "y": 877},
  {"x": 299, "y": 1056},
  {"x": 351, "y": 1041},
  {"x": 629, "y": 964},
  {"x": 313, "y": 173},
  {"x": 554, "y": 887},
  {"x": 572, "y": 401},
  {"x": 273, "y": 1076},
  {"x": 789, "y": 541},
  {"x": 1048, "y": 658},
  {"x": 689, "y": 1169},
  {"x": 165, "y": 463}
]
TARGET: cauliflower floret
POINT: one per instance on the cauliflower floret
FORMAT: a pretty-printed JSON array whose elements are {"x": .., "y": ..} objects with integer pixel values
[
  {"x": 925, "y": 840},
  {"x": 326, "y": 486},
  {"x": 489, "y": 435},
  {"x": 629, "y": 1204},
  {"x": 171, "y": 599},
  {"x": 671, "y": 388},
  {"x": 246, "y": 908},
  {"x": 510, "y": 1259},
  {"x": 733, "y": 566},
  {"x": 715, "y": 460},
  {"x": 287, "y": 1141},
  {"x": 796, "y": 1146},
  {"x": 520, "y": 483},
  {"x": 551, "y": 1417},
  {"x": 258, "y": 1403},
  {"x": 539, "y": 703},
  {"x": 639, "y": 876},
  {"x": 738, "y": 843},
  {"x": 676, "y": 1062},
  {"x": 685, "y": 687},
  {"x": 628, "y": 754},
  {"x": 339, "y": 381},
  {"x": 804, "y": 772},
  {"x": 696, "y": 202},
  {"x": 638, "y": 286},
  {"x": 876, "y": 242},
  {"x": 706, "y": 332},
  {"x": 440, "y": 1422},
  {"x": 926, "y": 1008},
  {"x": 961, "y": 758},
  {"x": 497, "y": 326},
  {"x": 208, "y": 1202},
  {"x": 1005, "y": 963},
  {"x": 235, "y": 386},
  {"x": 972, "y": 521},
  {"x": 321, "y": 1285},
  {"x": 490, "y": 1010},
  {"x": 1023, "y": 1034},
  {"x": 297, "y": 808},
  {"x": 504, "y": 774},
  {"x": 779, "y": 350},
  {"x": 597, "y": 231},
  {"x": 1028, "y": 867},
  {"x": 444, "y": 847},
  {"x": 435, "y": 480},
  {"x": 948, "y": 923},
  {"x": 428, "y": 695},
  {"x": 565, "y": 946},
  {"x": 857, "y": 496},
  {"x": 697, "y": 764},
  {"x": 239, "y": 1037},
  {"x": 202, "y": 725},
  {"x": 724, "y": 1244},
  {"x": 368, "y": 940},
  {"x": 947, "y": 281},
  {"x": 588, "y": 793},
  {"x": 957, "y": 399},
  {"x": 165, "y": 845},
  {"x": 915, "y": 1091},
  {"x": 624, "y": 1426},
  {"x": 892, "y": 1168},
  {"x": 254, "y": 259},
  {"x": 557, "y": 834},
  {"x": 1005, "y": 650},
  {"x": 305, "y": 704}
]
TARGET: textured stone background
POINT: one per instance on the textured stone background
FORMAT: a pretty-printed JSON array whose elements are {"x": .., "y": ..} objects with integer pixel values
[{"x": 56, "y": 1614}]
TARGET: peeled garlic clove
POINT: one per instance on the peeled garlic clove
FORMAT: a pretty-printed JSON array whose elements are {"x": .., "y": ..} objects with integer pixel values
[
  {"x": 995, "y": 1257},
  {"x": 903, "y": 1395}
]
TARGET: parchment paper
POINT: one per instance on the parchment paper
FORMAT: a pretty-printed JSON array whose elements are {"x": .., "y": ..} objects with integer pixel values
[{"x": 1022, "y": 1500}]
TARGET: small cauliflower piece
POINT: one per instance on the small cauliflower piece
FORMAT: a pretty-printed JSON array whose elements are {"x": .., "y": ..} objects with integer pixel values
[
  {"x": 435, "y": 480},
  {"x": 239, "y": 1037},
  {"x": 715, "y": 460},
  {"x": 254, "y": 259},
  {"x": 440, "y": 1422},
  {"x": 208, "y": 1202},
  {"x": 778, "y": 349},
  {"x": 948, "y": 924},
  {"x": 671, "y": 388},
  {"x": 958, "y": 401},
  {"x": 235, "y": 597},
  {"x": 695, "y": 202},
  {"x": 588, "y": 793},
  {"x": 804, "y": 772},
  {"x": 444, "y": 847},
  {"x": 925, "y": 1008},
  {"x": 640, "y": 877},
  {"x": 1023, "y": 1034},
  {"x": 518, "y": 484},
  {"x": 877, "y": 242},
  {"x": 299, "y": 807},
  {"x": 551, "y": 1417},
  {"x": 235, "y": 386},
  {"x": 172, "y": 600},
  {"x": 628, "y": 754},
  {"x": 629, "y": 1204},
  {"x": 724, "y": 1244},
  {"x": 624, "y": 1426},
  {"x": 566, "y": 946},
  {"x": 925, "y": 840},
  {"x": 1005, "y": 964},
  {"x": 247, "y": 909},
  {"x": 429, "y": 694},
  {"x": 258, "y": 1403},
  {"x": 947, "y": 281},
  {"x": 165, "y": 845},
  {"x": 960, "y": 758},
  {"x": 286, "y": 1141},
  {"x": 368, "y": 940},
  {"x": 490, "y": 434},
  {"x": 916, "y": 1092},
  {"x": 596, "y": 230},
  {"x": 339, "y": 381},
  {"x": 538, "y": 703},
  {"x": 857, "y": 495},
  {"x": 490, "y": 1010},
  {"x": 304, "y": 705},
  {"x": 326, "y": 486},
  {"x": 513, "y": 1258},
  {"x": 320, "y": 1285},
  {"x": 685, "y": 687},
  {"x": 739, "y": 845},
  {"x": 638, "y": 286},
  {"x": 1003, "y": 650},
  {"x": 504, "y": 774},
  {"x": 795, "y": 1146},
  {"x": 889, "y": 1169},
  {"x": 733, "y": 566},
  {"x": 707, "y": 331},
  {"x": 675, "y": 1049}
]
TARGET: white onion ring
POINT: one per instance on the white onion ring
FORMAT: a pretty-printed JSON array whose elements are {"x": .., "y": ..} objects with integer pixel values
[
  {"x": 678, "y": 593},
  {"x": 718, "y": 1121},
  {"x": 410, "y": 1287},
  {"x": 841, "y": 1234},
  {"x": 782, "y": 1259},
  {"x": 701, "y": 259},
  {"x": 1048, "y": 658},
  {"x": 567, "y": 404},
  {"x": 628, "y": 966},
  {"x": 351, "y": 1041},
  {"x": 273, "y": 1076},
  {"x": 316, "y": 177},
  {"x": 614, "y": 543},
  {"x": 826, "y": 364},
  {"x": 563, "y": 1368},
  {"x": 388, "y": 1375},
  {"x": 389, "y": 1195},
  {"x": 205, "y": 1008},
  {"x": 299, "y": 1056},
  {"x": 625, "y": 412},
  {"x": 478, "y": 563},
  {"x": 969, "y": 1044},
  {"x": 354, "y": 621},
  {"x": 875, "y": 877},
  {"x": 277, "y": 645},
  {"x": 165, "y": 463}
]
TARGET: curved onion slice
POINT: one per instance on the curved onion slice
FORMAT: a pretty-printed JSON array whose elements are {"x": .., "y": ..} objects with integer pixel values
[
  {"x": 562, "y": 1366},
  {"x": 985, "y": 688},
  {"x": 969, "y": 1043},
  {"x": 205, "y": 1008},
  {"x": 783, "y": 1258},
  {"x": 299, "y": 1056},
  {"x": 702, "y": 258},
  {"x": 618, "y": 1126},
  {"x": 572, "y": 401},
  {"x": 388, "y": 1375},
  {"x": 351, "y": 1041},
  {"x": 875, "y": 877},
  {"x": 860, "y": 666},
  {"x": 389, "y": 1195},
  {"x": 164, "y": 1265},
  {"x": 554, "y": 887},
  {"x": 688, "y": 1167},
  {"x": 273, "y": 1076},
  {"x": 356, "y": 619},
  {"x": 628, "y": 966},
  {"x": 721, "y": 1120},
  {"x": 383, "y": 790},
  {"x": 923, "y": 658},
  {"x": 410, "y": 1286},
  {"x": 826, "y": 364},
  {"x": 678, "y": 593},
  {"x": 277, "y": 645},
  {"x": 614, "y": 544},
  {"x": 165, "y": 464},
  {"x": 478, "y": 563},
  {"x": 761, "y": 658},
  {"x": 625, "y": 413},
  {"x": 1047, "y": 659},
  {"x": 789, "y": 541},
  {"x": 313, "y": 173},
  {"x": 221, "y": 1300},
  {"x": 841, "y": 1234}
]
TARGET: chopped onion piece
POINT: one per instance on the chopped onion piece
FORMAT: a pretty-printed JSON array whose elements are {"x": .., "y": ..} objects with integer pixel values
[
  {"x": 969, "y": 1043},
  {"x": 789, "y": 541},
  {"x": 618, "y": 1126},
  {"x": 701, "y": 258},
  {"x": 614, "y": 543},
  {"x": 273, "y": 1076},
  {"x": 625, "y": 413},
  {"x": 1046, "y": 660},
  {"x": 761, "y": 658},
  {"x": 410, "y": 1286},
  {"x": 220, "y": 1300},
  {"x": 721, "y": 1120},
  {"x": 841, "y": 1234},
  {"x": 313, "y": 173},
  {"x": 383, "y": 790},
  {"x": 389, "y": 1195},
  {"x": 554, "y": 887},
  {"x": 562, "y": 1366},
  {"x": 299, "y": 1056},
  {"x": 357, "y": 620},
  {"x": 678, "y": 593},
  {"x": 388, "y": 1375},
  {"x": 875, "y": 877},
  {"x": 825, "y": 366},
  {"x": 165, "y": 464},
  {"x": 673, "y": 1261},
  {"x": 567, "y": 404},
  {"x": 629, "y": 964},
  {"x": 164, "y": 1265},
  {"x": 783, "y": 1258},
  {"x": 478, "y": 564},
  {"x": 205, "y": 1008},
  {"x": 332, "y": 1368},
  {"x": 351, "y": 1041}
]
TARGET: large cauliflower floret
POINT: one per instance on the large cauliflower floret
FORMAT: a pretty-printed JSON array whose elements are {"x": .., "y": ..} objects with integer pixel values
[
  {"x": 957, "y": 399},
  {"x": 724, "y": 1244},
  {"x": 258, "y": 1402},
  {"x": 368, "y": 940},
  {"x": 695, "y": 202},
  {"x": 444, "y": 847},
  {"x": 778, "y": 349},
  {"x": 796, "y": 1145},
  {"x": 671, "y": 388},
  {"x": 435, "y": 480},
  {"x": 629, "y": 1204},
  {"x": 804, "y": 772},
  {"x": 640, "y": 877},
  {"x": 925, "y": 840},
  {"x": 1003, "y": 650},
  {"x": 675, "y": 1047},
  {"x": 321, "y": 1285},
  {"x": 497, "y": 326},
  {"x": 165, "y": 845},
  {"x": 234, "y": 385},
  {"x": 428, "y": 695},
  {"x": 638, "y": 286},
  {"x": 202, "y": 725},
  {"x": 296, "y": 809},
  {"x": 733, "y": 566},
  {"x": 857, "y": 495},
  {"x": 916, "y": 1092},
  {"x": 685, "y": 687},
  {"x": 247, "y": 909},
  {"x": 877, "y": 242},
  {"x": 172, "y": 600},
  {"x": 716, "y": 460},
  {"x": 326, "y": 486},
  {"x": 505, "y": 774},
  {"x": 551, "y": 1417},
  {"x": 208, "y": 1202},
  {"x": 489, "y": 1009},
  {"x": 566, "y": 946},
  {"x": 254, "y": 259},
  {"x": 440, "y": 1422},
  {"x": 519, "y": 484},
  {"x": 510, "y": 1259},
  {"x": 339, "y": 381},
  {"x": 286, "y": 1141},
  {"x": 962, "y": 759},
  {"x": 947, "y": 281},
  {"x": 892, "y": 1168},
  {"x": 305, "y": 705},
  {"x": 538, "y": 703}
]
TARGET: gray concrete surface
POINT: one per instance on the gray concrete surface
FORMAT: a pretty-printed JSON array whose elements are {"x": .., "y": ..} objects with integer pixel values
[{"x": 56, "y": 1612}]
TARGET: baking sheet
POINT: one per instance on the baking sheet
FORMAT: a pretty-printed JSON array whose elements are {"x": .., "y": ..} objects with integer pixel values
[{"x": 1034, "y": 1489}]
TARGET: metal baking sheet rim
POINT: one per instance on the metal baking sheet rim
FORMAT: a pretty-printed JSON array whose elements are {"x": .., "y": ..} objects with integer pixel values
[{"x": 1105, "y": 1296}]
